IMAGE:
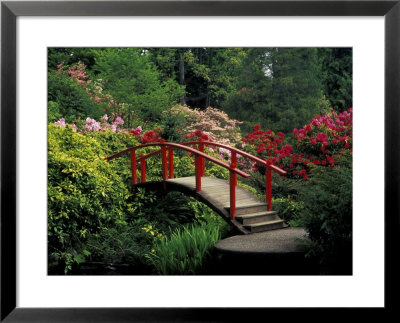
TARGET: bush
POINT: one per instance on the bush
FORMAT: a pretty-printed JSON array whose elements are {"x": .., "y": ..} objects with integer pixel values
[
  {"x": 327, "y": 215},
  {"x": 113, "y": 142},
  {"x": 71, "y": 97},
  {"x": 170, "y": 210},
  {"x": 122, "y": 244},
  {"x": 289, "y": 209},
  {"x": 84, "y": 194},
  {"x": 214, "y": 123},
  {"x": 205, "y": 216},
  {"x": 53, "y": 112}
]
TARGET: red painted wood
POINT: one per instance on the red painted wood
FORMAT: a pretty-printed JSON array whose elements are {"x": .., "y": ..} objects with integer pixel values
[
  {"x": 202, "y": 160},
  {"x": 231, "y": 149},
  {"x": 171, "y": 163},
  {"x": 232, "y": 194},
  {"x": 142, "y": 169},
  {"x": 133, "y": 167},
  {"x": 180, "y": 146},
  {"x": 197, "y": 173},
  {"x": 164, "y": 162},
  {"x": 277, "y": 169},
  {"x": 232, "y": 187},
  {"x": 149, "y": 155},
  {"x": 268, "y": 187}
]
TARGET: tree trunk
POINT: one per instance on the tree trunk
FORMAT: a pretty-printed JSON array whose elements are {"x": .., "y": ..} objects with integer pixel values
[
  {"x": 208, "y": 98},
  {"x": 182, "y": 75}
]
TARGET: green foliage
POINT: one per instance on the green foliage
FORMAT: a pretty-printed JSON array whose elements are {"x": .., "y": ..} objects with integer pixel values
[
  {"x": 126, "y": 244},
  {"x": 71, "y": 98},
  {"x": 172, "y": 125},
  {"x": 214, "y": 170},
  {"x": 68, "y": 56},
  {"x": 279, "y": 88},
  {"x": 112, "y": 142},
  {"x": 281, "y": 186},
  {"x": 130, "y": 77},
  {"x": 53, "y": 112},
  {"x": 186, "y": 251},
  {"x": 327, "y": 215},
  {"x": 337, "y": 66},
  {"x": 288, "y": 209},
  {"x": 206, "y": 217},
  {"x": 283, "y": 88},
  {"x": 84, "y": 193},
  {"x": 251, "y": 189},
  {"x": 170, "y": 210},
  {"x": 183, "y": 165}
]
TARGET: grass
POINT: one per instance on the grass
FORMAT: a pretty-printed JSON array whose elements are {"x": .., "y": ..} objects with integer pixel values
[{"x": 186, "y": 252}]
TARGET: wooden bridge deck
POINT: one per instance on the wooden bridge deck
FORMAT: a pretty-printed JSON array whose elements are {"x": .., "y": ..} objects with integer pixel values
[{"x": 215, "y": 193}]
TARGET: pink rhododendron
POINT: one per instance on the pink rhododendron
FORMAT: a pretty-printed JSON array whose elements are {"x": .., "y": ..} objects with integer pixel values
[
  {"x": 92, "y": 125},
  {"x": 118, "y": 121},
  {"x": 60, "y": 123}
]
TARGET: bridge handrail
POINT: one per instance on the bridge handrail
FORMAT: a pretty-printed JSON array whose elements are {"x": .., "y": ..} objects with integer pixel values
[
  {"x": 170, "y": 144},
  {"x": 232, "y": 149},
  {"x": 239, "y": 152}
]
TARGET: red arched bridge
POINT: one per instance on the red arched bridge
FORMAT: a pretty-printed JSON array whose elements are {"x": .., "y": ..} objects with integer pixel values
[{"x": 234, "y": 203}]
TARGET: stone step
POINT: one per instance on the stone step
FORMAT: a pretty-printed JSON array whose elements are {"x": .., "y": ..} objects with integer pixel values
[
  {"x": 265, "y": 226},
  {"x": 253, "y": 218},
  {"x": 247, "y": 208}
]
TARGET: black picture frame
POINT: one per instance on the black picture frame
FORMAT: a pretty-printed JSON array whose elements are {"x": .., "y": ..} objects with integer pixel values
[{"x": 10, "y": 10}]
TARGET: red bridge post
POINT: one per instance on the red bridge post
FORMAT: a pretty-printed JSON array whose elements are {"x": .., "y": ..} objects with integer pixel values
[
  {"x": 142, "y": 169},
  {"x": 164, "y": 165},
  {"x": 133, "y": 167},
  {"x": 268, "y": 185},
  {"x": 232, "y": 186},
  {"x": 202, "y": 161},
  {"x": 197, "y": 165},
  {"x": 171, "y": 162},
  {"x": 164, "y": 162}
]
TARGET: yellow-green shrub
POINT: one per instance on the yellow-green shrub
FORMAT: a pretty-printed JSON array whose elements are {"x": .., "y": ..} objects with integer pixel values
[{"x": 84, "y": 194}]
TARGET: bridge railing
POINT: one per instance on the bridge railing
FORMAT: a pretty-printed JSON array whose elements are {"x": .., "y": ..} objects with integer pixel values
[{"x": 167, "y": 161}]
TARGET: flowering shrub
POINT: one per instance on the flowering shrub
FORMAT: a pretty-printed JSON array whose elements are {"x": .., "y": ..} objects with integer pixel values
[
  {"x": 271, "y": 147},
  {"x": 320, "y": 142},
  {"x": 60, "y": 123},
  {"x": 326, "y": 137},
  {"x": 91, "y": 125},
  {"x": 77, "y": 72},
  {"x": 137, "y": 131},
  {"x": 152, "y": 136},
  {"x": 93, "y": 89},
  {"x": 197, "y": 135},
  {"x": 214, "y": 123}
]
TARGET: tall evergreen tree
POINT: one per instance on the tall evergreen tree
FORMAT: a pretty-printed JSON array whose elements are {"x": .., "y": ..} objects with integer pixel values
[{"x": 337, "y": 66}]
